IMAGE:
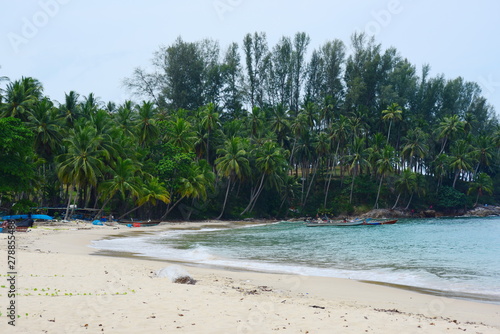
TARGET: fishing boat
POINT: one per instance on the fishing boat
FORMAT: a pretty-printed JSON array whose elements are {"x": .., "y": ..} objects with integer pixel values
[
  {"x": 379, "y": 222},
  {"x": 334, "y": 223},
  {"x": 141, "y": 223}
]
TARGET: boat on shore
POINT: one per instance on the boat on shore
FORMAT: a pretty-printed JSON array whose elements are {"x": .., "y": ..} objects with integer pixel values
[
  {"x": 334, "y": 223},
  {"x": 141, "y": 223}
]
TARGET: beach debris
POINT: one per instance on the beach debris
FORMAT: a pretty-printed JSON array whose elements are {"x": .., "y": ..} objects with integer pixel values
[
  {"x": 316, "y": 306},
  {"x": 176, "y": 274},
  {"x": 387, "y": 311}
]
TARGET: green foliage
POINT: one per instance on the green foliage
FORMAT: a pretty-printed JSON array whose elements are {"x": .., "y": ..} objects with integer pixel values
[
  {"x": 450, "y": 199},
  {"x": 16, "y": 166}
]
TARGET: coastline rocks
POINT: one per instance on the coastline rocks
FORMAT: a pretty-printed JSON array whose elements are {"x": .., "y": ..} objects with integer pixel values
[
  {"x": 484, "y": 211},
  {"x": 386, "y": 213}
]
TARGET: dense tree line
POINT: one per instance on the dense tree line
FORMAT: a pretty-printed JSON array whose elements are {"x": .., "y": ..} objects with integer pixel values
[{"x": 255, "y": 130}]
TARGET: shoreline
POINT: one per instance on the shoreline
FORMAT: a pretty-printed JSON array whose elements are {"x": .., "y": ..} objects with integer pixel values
[{"x": 57, "y": 259}]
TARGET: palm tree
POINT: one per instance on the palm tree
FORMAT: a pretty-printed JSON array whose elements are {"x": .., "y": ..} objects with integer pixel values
[
  {"x": 71, "y": 108},
  {"x": 196, "y": 184},
  {"x": 46, "y": 123},
  {"x": 406, "y": 183},
  {"x": 210, "y": 122},
  {"x": 20, "y": 96},
  {"x": 483, "y": 151},
  {"x": 181, "y": 135},
  {"x": 151, "y": 192},
  {"x": 270, "y": 162},
  {"x": 447, "y": 128},
  {"x": 232, "y": 164},
  {"x": 357, "y": 159},
  {"x": 392, "y": 113},
  {"x": 385, "y": 165},
  {"x": 82, "y": 164},
  {"x": 279, "y": 123},
  {"x": 482, "y": 184},
  {"x": 415, "y": 145},
  {"x": 147, "y": 129},
  {"x": 441, "y": 167},
  {"x": 338, "y": 134},
  {"x": 126, "y": 118},
  {"x": 124, "y": 180},
  {"x": 460, "y": 158}
]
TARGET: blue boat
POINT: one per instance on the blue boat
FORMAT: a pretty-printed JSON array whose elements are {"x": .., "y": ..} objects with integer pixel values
[{"x": 35, "y": 216}]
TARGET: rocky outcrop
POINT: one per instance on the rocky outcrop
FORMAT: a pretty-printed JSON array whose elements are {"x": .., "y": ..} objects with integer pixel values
[
  {"x": 483, "y": 211},
  {"x": 386, "y": 213}
]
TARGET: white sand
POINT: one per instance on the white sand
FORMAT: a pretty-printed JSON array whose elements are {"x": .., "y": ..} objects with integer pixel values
[{"x": 63, "y": 288}]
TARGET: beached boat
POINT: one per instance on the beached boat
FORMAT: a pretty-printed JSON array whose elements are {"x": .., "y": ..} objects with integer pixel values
[
  {"x": 334, "y": 223},
  {"x": 142, "y": 223}
]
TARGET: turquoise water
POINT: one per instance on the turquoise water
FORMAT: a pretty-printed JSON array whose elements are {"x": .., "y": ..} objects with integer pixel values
[{"x": 460, "y": 256}]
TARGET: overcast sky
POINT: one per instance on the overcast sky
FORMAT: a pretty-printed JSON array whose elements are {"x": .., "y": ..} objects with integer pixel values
[{"x": 91, "y": 45}]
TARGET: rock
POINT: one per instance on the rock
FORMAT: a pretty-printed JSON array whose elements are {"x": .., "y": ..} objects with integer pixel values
[{"x": 176, "y": 274}]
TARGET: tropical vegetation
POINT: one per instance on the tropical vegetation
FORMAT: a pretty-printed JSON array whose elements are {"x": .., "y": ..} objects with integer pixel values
[{"x": 255, "y": 131}]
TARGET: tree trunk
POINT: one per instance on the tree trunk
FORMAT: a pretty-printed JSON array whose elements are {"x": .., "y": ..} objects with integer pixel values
[
  {"x": 255, "y": 196},
  {"x": 130, "y": 211},
  {"x": 397, "y": 200},
  {"x": 378, "y": 192},
  {"x": 408, "y": 205},
  {"x": 225, "y": 199}
]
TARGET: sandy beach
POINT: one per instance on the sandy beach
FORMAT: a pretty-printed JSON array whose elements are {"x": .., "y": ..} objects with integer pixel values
[{"x": 65, "y": 286}]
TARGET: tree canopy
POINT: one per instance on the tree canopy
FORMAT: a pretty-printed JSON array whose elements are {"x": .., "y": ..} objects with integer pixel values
[{"x": 256, "y": 130}]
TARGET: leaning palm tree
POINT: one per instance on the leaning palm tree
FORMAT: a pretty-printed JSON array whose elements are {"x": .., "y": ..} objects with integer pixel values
[
  {"x": 448, "y": 128},
  {"x": 150, "y": 192},
  {"x": 270, "y": 162},
  {"x": 232, "y": 164},
  {"x": 385, "y": 165},
  {"x": 482, "y": 184},
  {"x": 405, "y": 184},
  {"x": 123, "y": 180},
  {"x": 196, "y": 184},
  {"x": 460, "y": 158}
]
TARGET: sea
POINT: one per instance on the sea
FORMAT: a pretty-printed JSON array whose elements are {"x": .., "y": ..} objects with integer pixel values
[{"x": 454, "y": 257}]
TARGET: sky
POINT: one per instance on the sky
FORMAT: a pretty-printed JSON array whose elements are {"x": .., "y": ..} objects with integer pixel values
[{"x": 92, "y": 45}]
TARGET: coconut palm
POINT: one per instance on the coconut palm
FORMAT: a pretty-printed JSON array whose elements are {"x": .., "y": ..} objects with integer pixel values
[
  {"x": 405, "y": 184},
  {"x": 482, "y": 184},
  {"x": 82, "y": 164},
  {"x": 196, "y": 184},
  {"x": 147, "y": 129},
  {"x": 271, "y": 162},
  {"x": 124, "y": 180},
  {"x": 448, "y": 128},
  {"x": 210, "y": 122},
  {"x": 181, "y": 135},
  {"x": 385, "y": 165},
  {"x": 415, "y": 145},
  {"x": 392, "y": 113},
  {"x": 150, "y": 192},
  {"x": 357, "y": 159},
  {"x": 460, "y": 158},
  {"x": 232, "y": 164},
  {"x": 46, "y": 123},
  {"x": 20, "y": 96}
]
